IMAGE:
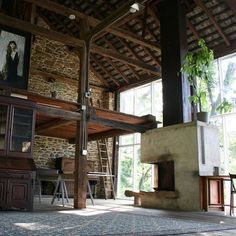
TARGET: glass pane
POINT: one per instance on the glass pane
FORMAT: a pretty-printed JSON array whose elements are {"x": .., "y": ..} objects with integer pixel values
[
  {"x": 143, "y": 101},
  {"x": 231, "y": 141},
  {"x": 126, "y": 139},
  {"x": 228, "y": 72},
  {"x": 142, "y": 173},
  {"x": 214, "y": 97},
  {"x": 218, "y": 121},
  {"x": 3, "y": 122},
  {"x": 125, "y": 170},
  {"x": 127, "y": 102},
  {"x": 157, "y": 101},
  {"x": 22, "y": 130}
]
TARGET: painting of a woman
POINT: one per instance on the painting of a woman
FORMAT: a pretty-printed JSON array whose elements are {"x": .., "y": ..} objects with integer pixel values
[
  {"x": 14, "y": 57},
  {"x": 12, "y": 61}
]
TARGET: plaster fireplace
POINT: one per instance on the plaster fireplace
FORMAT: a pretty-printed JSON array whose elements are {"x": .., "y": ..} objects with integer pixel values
[{"x": 180, "y": 154}]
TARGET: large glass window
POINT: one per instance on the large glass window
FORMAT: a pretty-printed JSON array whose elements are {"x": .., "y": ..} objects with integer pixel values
[{"x": 132, "y": 174}]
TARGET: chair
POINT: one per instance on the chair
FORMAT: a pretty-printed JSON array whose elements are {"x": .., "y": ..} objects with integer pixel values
[{"x": 232, "y": 191}]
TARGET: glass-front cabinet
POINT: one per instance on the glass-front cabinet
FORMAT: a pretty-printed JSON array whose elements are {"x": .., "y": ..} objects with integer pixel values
[
  {"x": 16, "y": 129},
  {"x": 3, "y": 127},
  {"x": 17, "y": 168}
]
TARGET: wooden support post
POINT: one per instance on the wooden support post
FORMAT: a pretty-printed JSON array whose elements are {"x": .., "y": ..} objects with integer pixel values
[
  {"x": 176, "y": 107},
  {"x": 81, "y": 179}
]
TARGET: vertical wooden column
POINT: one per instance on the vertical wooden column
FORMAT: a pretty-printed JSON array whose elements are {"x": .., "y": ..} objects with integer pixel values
[
  {"x": 176, "y": 107},
  {"x": 81, "y": 179}
]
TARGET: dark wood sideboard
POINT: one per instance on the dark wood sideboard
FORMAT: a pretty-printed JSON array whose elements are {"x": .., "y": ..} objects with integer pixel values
[{"x": 17, "y": 167}]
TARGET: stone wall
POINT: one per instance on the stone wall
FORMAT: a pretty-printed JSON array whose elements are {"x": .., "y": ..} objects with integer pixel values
[{"x": 55, "y": 58}]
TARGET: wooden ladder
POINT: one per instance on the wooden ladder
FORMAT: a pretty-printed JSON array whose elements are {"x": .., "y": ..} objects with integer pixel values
[{"x": 108, "y": 181}]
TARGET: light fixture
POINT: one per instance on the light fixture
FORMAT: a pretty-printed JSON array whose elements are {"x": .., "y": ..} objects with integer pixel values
[
  {"x": 135, "y": 7},
  {"x": 72, "y": 17}
]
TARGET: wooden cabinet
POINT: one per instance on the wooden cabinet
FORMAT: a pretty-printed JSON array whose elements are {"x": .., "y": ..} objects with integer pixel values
[{"x": 17, "y": 168}]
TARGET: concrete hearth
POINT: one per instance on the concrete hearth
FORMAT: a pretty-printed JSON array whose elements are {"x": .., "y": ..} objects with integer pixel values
[{"x": 192, "y": 149}]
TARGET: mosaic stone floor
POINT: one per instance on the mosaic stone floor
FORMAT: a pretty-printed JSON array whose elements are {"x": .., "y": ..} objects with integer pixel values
[{"x": 111, "y": 218}]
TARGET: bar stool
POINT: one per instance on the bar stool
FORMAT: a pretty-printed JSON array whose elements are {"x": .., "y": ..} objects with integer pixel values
[{"x": 232, "y": 191}]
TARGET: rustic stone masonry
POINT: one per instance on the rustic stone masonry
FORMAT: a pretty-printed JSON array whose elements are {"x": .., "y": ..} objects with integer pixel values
[{"x": 55, "y": 58}]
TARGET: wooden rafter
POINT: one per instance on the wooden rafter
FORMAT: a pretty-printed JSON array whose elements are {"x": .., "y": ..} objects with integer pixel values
[
  {"x": 68, "y": 40},
  {"x": 105, "y": 70},
  {"x": 60, "y": 9},
  {"x": 111, "y": 54},
  {"x": 53, "y": 124},
  {"x": 99, "y": 76},
  {"x": 129, "y": 66},
  {"x": 213, "y": 20},
  {"x": 192, "y": 29}
]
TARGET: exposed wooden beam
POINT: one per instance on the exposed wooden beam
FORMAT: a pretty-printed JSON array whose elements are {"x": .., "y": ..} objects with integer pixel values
[
  {"x": 68, "y": 40},
  {"x": 99, "y": 76},
  {"x": 221, "y": 50},
  {"x": 111, "y": 54},
  {"x": 105, "y": 70},
  {"x": 111, "y": 19},
  {"x": 232, "y": 5},
  {"x": 133, "y": 38},
  {"x": 129, "y": 66},
  {"x": 58, "y": 113},
  {"x": 53, "y": 124},
  {"x": 118, "y": 124},
  {"x": 28, "y": 27},
  {"x": 213, "y": 20},
  {"x": 142, "y": 81},
  {"x": 193, "y": 30},
  {"x": 57, "y": 8}
]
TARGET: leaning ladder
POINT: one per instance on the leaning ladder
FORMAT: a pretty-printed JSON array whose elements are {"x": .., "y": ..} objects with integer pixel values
[{"x": 107, "y": 179}]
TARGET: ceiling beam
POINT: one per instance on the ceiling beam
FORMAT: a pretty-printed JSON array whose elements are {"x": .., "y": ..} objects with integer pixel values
[
  {"x": 58, "y": 113},
  {"x": 53, "y": 124},
  {"x": 117, "y": 56},
  {"x": 212, "y": 19},
  {"x": 30, "y": 28},
  {"x": 62, "y": 10},
  {"x": 68, "y": 40}
]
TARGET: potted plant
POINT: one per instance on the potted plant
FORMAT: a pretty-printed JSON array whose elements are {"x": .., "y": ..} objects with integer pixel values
[
  {"x": 198, "y": 66},
  {"x": 56, "y": 87}
]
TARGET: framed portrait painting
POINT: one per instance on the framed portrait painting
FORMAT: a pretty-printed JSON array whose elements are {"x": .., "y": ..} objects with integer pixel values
[{"x": 14, "y": 57}]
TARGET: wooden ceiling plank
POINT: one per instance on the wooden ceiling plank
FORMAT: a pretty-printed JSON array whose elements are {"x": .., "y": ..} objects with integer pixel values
[
  {"x": 58, "y": 113},
  {"x": 60, "y": 9},
  {"x": 53, "y": 124},
  {"x": 28, "y": 27},
  {"x": 118, "y": 70},
  {"x": 232, "y": 5},
  {"x": 112, "y": 18},
  {"x": 129, "y": 66},
  {"x": 193, "y": 30},
  {"x": 111, "y": 54},
  {"x": 213, "y": 20},
  {"x": 98, "y": 75},
  {"x": 105, "y": 71}
]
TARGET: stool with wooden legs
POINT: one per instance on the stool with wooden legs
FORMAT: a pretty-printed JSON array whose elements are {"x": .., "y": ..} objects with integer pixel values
[{"x": 232, "y": 191}]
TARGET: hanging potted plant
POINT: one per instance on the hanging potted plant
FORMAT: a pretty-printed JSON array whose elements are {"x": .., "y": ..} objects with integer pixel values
[{"x": 198, "y": 66}]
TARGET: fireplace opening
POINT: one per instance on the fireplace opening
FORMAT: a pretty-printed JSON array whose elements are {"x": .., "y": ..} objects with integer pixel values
[{"x": 164, "y": 177}]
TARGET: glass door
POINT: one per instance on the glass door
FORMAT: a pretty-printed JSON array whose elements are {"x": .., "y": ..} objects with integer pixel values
[{"x": 21, "y": 135}]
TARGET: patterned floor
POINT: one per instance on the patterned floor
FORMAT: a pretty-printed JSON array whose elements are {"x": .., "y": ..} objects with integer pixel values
[{"x": 110, "y": 218}]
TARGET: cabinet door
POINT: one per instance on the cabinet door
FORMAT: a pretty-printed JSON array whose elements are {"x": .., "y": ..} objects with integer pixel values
[
  {"x": 18, "y": 193},
  {"x": 3, "y": 128},
  {"x": 3, "y": 192},
  {"x": 21, "y": 132}
]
